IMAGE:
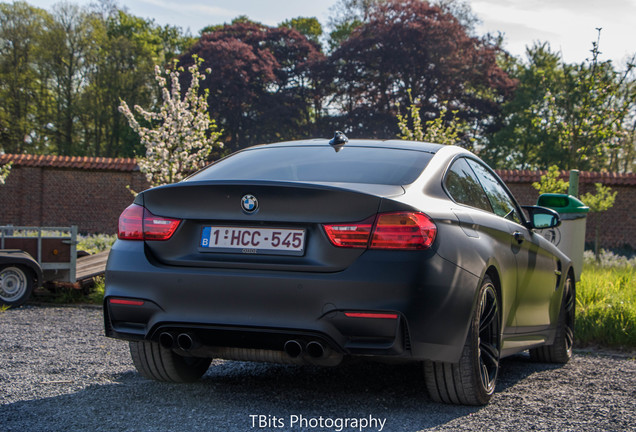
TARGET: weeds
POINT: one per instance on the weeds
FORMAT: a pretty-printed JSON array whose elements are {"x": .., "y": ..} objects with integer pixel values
[
  {"x": 96, "y": 295},
  {"x": 95, "y": 243}
]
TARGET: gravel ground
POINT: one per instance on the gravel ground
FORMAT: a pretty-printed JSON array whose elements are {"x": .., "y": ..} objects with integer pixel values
[{"x": 59, "y": 373}]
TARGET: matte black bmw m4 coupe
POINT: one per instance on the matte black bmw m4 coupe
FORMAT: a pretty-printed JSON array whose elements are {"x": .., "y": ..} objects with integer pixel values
[{"x": 308, "y": 252}]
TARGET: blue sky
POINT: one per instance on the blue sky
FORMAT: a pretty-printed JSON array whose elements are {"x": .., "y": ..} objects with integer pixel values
[{"x": 569, "y": 25}]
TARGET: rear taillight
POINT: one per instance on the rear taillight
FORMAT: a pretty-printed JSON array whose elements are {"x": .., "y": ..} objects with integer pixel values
[
  {"x": 351, "y": 235},
  {"x": 404, "y": 230},
  {"x": 399, "y": 230},
  {"x": 131, "y": 223},
  {"x": 137, "y": 223}
]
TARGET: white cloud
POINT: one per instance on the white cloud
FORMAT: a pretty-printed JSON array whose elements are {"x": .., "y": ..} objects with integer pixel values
[{"x": 569, "y": 26}]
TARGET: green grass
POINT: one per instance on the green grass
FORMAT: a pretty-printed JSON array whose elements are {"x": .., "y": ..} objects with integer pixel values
[{"x": 606, "y": 305}]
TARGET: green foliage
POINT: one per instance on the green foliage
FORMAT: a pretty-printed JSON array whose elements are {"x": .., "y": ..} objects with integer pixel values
[
  {"x": 551, "y": 183},
  {"x": 95, "y": 243},
  {"x": 438, "y": 130},
  {"x": 4, "y": 172},
  {"x": 24, "y": 95},
  {"x": 606, "y": 306},
  {"x": 96, "y": 294},
  {"x": 602, "y": 200},
  {"x": 310, "y": 27},
  {"x": 341, "y": 33},
  {"x": 62, "y": 73},
  {"x": 346, "y": 16},
  {"x": 577, "y": 114}
]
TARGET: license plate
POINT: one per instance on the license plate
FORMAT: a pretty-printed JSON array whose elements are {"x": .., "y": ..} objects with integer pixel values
[{"x": 253, "y": 240}]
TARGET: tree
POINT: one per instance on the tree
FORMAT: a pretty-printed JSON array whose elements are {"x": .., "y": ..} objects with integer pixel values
[
  {"x": 62, "y": 74},
  {"x": 551, "y": 182},
  {"x": 22, "y": 30},
  {"x": 119, "y": 67},
  {"x": 409, "y": 44},
  {"x": 346, "y": 16},
  {"x": 579, "y": 115},
  {"x": 437, "y": 130},
  {"x": 65, "y": 53},
  {"x": 602, "y": 201},
  {"x": 309, "y": 27},
  {"x": 262, "y": 86},
  {"x": 181, "y": 135}
]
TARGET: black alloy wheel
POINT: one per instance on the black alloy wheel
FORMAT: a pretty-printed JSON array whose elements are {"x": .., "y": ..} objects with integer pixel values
[
  {"x": 489, "y": 340},
  {"x": 472, "y": 380}
]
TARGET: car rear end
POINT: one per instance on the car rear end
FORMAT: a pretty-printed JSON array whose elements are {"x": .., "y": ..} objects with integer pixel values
[{"x": 287, "y": 267}]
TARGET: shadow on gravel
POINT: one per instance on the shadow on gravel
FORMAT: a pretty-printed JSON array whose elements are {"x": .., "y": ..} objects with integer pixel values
[
  {"x": 518, "y": 367},
  {"x": 231, "y": 392}
]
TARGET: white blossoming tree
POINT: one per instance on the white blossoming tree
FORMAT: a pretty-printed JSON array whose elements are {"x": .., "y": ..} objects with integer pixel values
[
  {"x": 4, "y": 172},
  {"x": 181, "y": 134}
]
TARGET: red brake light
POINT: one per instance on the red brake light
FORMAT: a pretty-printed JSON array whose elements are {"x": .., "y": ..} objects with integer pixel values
[
  {"x": 158, "y": 228},
  {"x": 371, "y": 315},
  {"x": 399, "y": 230},
  {"x": 127, "y": 302},
  {"x": 403, "y": 230},
  {"x": 352, "y": 235},
  {"x": 137, "y": 223},
  {"x": 131, "y": 223}
]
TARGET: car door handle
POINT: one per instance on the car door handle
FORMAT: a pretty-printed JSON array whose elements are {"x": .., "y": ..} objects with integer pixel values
[{"x": 518, "y": 236}]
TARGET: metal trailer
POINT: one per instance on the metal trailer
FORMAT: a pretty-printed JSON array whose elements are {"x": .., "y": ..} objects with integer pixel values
[{"x": 31, "y": 256}]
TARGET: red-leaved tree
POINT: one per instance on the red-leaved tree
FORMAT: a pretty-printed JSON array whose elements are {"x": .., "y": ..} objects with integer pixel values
[
  {"x": 261, "y": 85},
  {"x": 410, "y": 44}
]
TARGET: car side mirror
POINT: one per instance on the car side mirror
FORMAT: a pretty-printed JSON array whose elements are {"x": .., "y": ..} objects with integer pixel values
[{"x": 542, "y": 217}]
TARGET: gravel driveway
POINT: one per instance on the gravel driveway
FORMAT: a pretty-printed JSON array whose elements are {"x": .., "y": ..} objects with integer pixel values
[{"x": 59, "y": 373}]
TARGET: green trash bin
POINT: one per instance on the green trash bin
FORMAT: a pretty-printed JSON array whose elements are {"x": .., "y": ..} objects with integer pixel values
[{"x": 569, "y": 237}]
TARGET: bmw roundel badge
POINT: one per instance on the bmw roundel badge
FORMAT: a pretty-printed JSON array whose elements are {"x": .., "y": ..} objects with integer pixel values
[{"x": 249, "y": 203}]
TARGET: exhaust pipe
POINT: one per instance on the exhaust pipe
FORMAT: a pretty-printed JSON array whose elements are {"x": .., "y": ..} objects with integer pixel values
[
  {"x": 315, "y": 349},
  {"x": 185, "y": 342},
  {"x": 166, "y": 340},
  {"x": 293, "y": 348}
]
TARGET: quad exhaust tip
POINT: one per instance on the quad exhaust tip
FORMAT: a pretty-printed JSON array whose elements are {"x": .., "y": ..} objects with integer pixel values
[
  {"x": 293, "y": 348},
  {"x": 315, "y": 349},
  {"x": 166, "y": 340},
  {"x": 185, "y": 341}
]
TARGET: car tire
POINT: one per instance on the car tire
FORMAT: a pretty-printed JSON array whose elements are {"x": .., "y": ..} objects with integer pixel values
[
  {"x": 16, "y": 285},
  {"x": 561, "y": 350},
  {"x": 160, "y": 364},
  {"x": 472, "y": 380}
]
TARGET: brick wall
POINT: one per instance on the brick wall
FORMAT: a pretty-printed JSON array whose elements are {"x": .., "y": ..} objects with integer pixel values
[
  {"x": 91, "y": 193},
  {"x": 56, "y": 191}
]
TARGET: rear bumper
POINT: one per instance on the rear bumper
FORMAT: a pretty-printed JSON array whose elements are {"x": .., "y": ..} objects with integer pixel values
[{"x": 425, "y": 304}]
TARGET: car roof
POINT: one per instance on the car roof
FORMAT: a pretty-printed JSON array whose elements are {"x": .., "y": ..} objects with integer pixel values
[{"x": 392, "y": 144}]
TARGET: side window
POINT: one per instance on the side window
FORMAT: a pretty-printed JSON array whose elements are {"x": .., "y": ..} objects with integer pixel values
[
  {"x": 501, "y": 202},
  {"x": 463, "y": 186}
]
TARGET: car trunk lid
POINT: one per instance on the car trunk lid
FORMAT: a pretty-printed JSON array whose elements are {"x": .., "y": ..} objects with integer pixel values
[{"x": 294, "y": 212}]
